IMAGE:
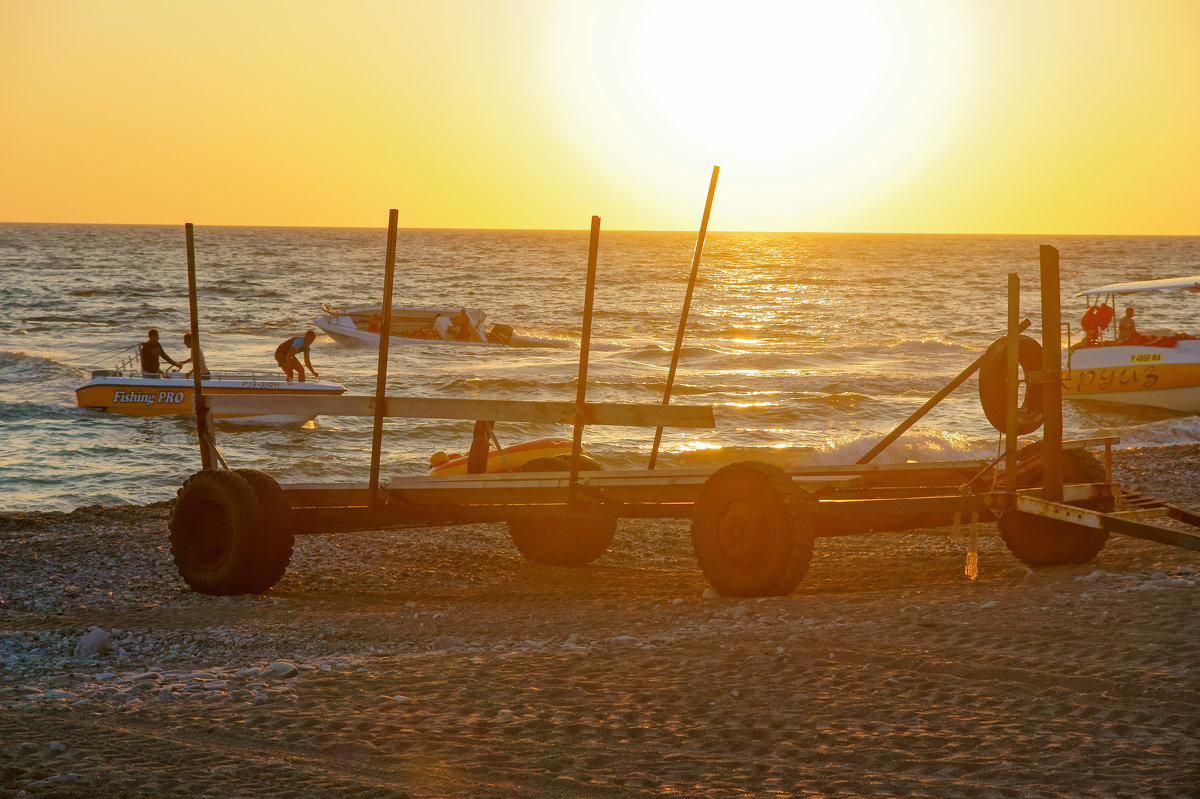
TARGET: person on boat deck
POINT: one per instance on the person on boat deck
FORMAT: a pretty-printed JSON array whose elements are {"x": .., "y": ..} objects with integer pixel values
[
  {"x": 374, "y": 323},
  {"x": 285, "y": 356},
  {"x": 461, "y": 328},
  {"x": 196, "y": 359},
  {"x": 150, "y": 350},
  {"x": 1126, "y": 329}
]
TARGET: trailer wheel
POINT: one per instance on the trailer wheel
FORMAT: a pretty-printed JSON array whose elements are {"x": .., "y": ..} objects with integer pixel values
[
  {"x": 274, "y": 542},
  {"x": 213, "y": 526},
  {"x": 1037, "y": 541},
  {"x": 751, "y": 532},
  {"x": 569, "y": 539}
]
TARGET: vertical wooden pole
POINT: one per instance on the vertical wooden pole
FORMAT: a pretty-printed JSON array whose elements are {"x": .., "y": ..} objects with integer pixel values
[
  {"x": 1012, "y": 350},
  {"x": 1051, "y": 376},
  {"x": 585, "y": 345},
  {"x": 687, "y": 304},
  {"x": 201, "y": 409},
  {"x": 385, "y": 331}
]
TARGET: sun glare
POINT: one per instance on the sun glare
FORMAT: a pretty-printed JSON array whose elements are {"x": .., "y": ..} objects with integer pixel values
[
  {"x": 809, "y": 106},
  {"x": 759, "y": 80}
]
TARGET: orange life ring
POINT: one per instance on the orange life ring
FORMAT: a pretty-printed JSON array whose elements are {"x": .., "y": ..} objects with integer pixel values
[{"x": 993, "y": 385}]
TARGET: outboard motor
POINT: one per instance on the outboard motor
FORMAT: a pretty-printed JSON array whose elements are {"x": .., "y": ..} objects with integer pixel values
[{"x": 500, "y": 334}]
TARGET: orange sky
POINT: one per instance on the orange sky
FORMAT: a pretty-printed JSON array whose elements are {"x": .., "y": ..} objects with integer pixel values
[{"x": 951, "y": 116}]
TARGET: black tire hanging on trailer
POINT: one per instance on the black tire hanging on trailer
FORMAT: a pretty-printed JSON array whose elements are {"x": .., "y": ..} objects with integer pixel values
[
  {"x": 214, "y": 528},
  {"x": 1037, "y": 541},
  {"x": 751, "y": 531},
  {"x": 566, "y": 539},
  {"x": 993, "y": 385},
  {"x": 273, "y": 546}
]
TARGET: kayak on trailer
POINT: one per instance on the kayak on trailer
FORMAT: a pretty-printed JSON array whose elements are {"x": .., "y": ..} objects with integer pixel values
[{"x": 513, "y": 459}]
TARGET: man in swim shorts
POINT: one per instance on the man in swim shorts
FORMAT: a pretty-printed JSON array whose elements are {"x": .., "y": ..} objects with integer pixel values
[
  {"x": 196, "y": 359},
  {"x": 285, "y": 356},
  {"x": 150, "y": 350}
]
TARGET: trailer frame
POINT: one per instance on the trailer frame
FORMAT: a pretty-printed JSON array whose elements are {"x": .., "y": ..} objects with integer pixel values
[{"x": 753, "y": 523}]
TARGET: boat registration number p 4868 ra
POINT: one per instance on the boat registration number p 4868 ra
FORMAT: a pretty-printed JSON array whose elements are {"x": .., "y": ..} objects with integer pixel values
[{"x": 1145, "y": 357}]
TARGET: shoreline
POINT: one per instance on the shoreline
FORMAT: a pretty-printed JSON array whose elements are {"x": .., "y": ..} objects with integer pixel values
[{"x": 434, "y": 661}]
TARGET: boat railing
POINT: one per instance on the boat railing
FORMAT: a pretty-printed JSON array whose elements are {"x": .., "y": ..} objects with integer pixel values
[{"x": 128, "y": 369}]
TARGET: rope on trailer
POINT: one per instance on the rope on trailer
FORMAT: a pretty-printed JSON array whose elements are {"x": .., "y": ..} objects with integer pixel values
[
  {"x": 972, "y": 567},
  {"x": 971, "y": 570}
]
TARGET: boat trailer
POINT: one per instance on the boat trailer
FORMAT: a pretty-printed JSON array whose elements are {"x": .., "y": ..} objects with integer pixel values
[{"x": 753, "y": 524}]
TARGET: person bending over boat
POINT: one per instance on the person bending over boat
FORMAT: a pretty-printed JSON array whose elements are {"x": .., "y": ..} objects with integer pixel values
[
  {"x": 150, "y": 350},
  {"x": 196, "y": 359},
  {"x": 285, "y": 356},
  {"x": 460, "y": 328}
]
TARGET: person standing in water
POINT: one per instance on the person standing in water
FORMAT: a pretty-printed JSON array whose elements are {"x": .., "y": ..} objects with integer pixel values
[
  {"x": 150, "y": 350},
  {"x": 285, "y": 356}
]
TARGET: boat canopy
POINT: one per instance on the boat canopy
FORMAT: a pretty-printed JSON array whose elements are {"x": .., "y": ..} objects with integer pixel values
[{"x": 1190, "y": 283}]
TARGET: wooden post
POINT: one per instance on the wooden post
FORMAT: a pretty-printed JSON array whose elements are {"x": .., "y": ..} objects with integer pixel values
[
  {"x": 584, "y": 346},
  {"x": 1051, "y": 376},
  {"x": 203, "y": 420},
  {"x": 687, "y": 304},
  {"x": 1010, "y": 370},
  {"x": 385, "y": 331},
  {"x": 924, "y": 409}
]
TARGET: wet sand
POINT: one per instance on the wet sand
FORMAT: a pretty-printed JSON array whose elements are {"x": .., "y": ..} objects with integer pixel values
[{"x": 433, "y": 662}]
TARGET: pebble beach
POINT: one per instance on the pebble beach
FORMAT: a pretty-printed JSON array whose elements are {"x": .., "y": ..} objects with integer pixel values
[{"x": 426, "y": 662}]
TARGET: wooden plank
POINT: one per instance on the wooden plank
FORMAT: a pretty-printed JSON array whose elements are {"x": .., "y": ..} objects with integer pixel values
[
  {"x": 616, "y": 414},
  {"x": 326, "y": 495}
]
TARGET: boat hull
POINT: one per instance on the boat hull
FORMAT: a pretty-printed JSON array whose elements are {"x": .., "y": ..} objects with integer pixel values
[
  {"x": 410, "y": 325},
  {"x": 1161, "y": 377},
  {"x": 167, "y": 396}
]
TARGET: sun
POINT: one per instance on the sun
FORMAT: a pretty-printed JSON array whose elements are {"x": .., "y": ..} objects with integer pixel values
[
  {"x": 813, "y": 109},
  {"x": 759, "y": 80}
]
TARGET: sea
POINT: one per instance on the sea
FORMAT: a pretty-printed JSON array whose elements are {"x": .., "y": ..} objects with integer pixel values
[{"x": 810, "y": 347}]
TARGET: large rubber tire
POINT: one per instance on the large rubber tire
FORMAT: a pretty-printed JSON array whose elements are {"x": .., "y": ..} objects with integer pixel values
[
  {"x": 1037, "y": 541},
  {"x": 273, "y": 546},
  {"x": 214, "y": 527},
  {"x": 751, "y": 531},
  {"x": 993, "y": 385},
  {"x": 568, "y": 539}
]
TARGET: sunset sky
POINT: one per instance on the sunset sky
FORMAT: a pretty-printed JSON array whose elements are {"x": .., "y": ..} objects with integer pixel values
[{"x": 938, "y": 116}]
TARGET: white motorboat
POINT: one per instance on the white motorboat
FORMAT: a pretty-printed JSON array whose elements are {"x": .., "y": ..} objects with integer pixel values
[
  {"x": 135, "y": 393},
  {"x": 1159, "y": 368},
  {"x": 412, "y": 324}
]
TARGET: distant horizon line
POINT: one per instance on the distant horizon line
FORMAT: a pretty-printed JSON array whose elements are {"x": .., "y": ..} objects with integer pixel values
[{"x": 609, "y": 230}]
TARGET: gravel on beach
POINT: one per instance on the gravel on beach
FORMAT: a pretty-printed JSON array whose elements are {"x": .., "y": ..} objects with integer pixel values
[{"x": 434, "y": 661}]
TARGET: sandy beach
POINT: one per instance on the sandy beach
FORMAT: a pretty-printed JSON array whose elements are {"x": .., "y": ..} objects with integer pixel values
[{"x": 434, "y": 662}]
